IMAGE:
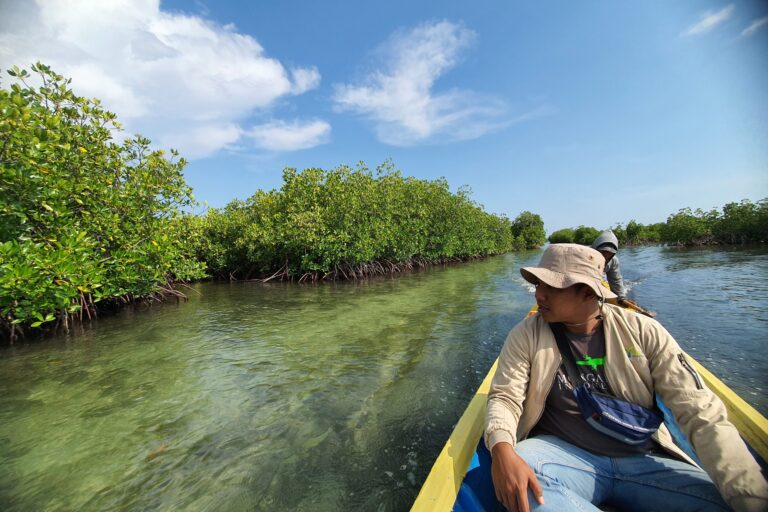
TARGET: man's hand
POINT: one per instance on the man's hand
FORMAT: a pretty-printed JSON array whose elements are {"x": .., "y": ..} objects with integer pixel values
[{"x": 512, "y": 477}]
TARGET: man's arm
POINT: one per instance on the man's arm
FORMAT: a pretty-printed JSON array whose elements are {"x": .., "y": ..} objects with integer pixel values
[
  {"x": 702, "y": 417},
  {"x": 615, "y": 280},
  {"x": 511, "y": 475}
]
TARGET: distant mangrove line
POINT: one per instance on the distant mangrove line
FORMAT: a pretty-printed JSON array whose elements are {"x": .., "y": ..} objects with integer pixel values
[
  {"x": 88, "y": 224},
  {"x": 349, "y": 224},
  {"x": 737, "y": 223}
]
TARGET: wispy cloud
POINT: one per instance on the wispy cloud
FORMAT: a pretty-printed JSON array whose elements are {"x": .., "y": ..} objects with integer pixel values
[
  {"x": 754, "y": 27},
  {"x": 182, "y": 80},
  {"x": 400, "y": 98},
  {"x": 284, "y": 136},
  {"x": 709, "y": 20}
]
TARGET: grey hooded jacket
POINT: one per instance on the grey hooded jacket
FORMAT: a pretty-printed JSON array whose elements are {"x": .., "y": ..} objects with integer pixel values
[{"x": 612, "y": 271}]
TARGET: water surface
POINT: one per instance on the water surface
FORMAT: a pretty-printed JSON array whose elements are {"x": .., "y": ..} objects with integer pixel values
[{"x": 318, "y": 397}]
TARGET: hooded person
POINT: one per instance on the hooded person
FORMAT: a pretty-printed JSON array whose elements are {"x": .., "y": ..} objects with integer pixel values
[
  {"x": 608, "y": 245},
  {"x": 546, "y": 450}
]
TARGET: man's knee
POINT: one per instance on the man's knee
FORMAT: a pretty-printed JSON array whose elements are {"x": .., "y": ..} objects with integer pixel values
[{"x": 534, "y": 452}]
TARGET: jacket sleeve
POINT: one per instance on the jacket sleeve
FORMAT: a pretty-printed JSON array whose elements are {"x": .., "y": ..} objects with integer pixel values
[
  {"x": 508, "y": 389},
  {"x": 615, "y": 280},
  {"x": 702, "y": 417}
]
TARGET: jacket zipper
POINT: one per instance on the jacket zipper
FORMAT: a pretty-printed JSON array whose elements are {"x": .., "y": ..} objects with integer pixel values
[{"x": 690, "y": 369}]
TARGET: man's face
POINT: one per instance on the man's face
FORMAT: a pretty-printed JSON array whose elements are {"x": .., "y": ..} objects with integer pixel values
[
  {"x": 607, "y": 255},
  {"x": 560, "y": 304}
]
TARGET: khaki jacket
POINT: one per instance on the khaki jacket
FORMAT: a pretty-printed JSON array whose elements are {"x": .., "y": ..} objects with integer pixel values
[{"x": 642, "y": 358}]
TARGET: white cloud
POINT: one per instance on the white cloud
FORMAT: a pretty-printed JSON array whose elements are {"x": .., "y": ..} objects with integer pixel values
[
  {"x": 399, "y": 97},
  {"x": 755, "y": 26},
  {"x": 305, "y": 80},
  {"x": 179, "y": 79},
  {"x": 204, "y": 139},
  {"x": 284, "y": 136},
  {"x": 709, "y": 20}
]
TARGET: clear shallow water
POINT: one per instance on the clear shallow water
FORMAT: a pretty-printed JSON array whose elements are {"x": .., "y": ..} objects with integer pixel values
[{"x": 330, "y": 397}]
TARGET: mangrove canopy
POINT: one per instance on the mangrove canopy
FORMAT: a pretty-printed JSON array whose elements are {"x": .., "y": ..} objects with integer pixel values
[
  {"x": 83, "y": 219},
  {"x": 349, "y": 223}
]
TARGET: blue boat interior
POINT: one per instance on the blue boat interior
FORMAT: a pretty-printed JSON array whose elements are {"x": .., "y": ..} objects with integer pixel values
[{"x": 476, "y": 493}]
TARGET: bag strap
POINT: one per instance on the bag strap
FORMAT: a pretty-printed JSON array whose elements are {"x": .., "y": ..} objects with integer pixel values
[
  {"x": 570, "y": 361},
  {"x": 565, "y": 351}
]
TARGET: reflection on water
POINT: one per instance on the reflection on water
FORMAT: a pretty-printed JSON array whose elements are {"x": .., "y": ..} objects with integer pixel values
[{"x": 328, "y": 397}]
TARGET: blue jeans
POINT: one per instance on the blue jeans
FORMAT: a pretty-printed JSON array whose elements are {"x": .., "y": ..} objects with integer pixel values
[{"x": 575, "y": 479}]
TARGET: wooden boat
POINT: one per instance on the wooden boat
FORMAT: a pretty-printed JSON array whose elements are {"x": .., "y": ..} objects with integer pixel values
[{"x": 460, "y": 479}]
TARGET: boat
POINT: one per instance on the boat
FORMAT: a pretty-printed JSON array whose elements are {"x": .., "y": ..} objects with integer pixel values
[{"x": 460, "y": 479}]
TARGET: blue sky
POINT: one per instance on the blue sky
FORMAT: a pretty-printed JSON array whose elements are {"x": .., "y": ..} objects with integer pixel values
[{"x": 586, "y": 113}]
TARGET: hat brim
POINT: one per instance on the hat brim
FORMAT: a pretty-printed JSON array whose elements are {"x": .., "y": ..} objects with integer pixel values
[{"x": 554, "y": 279}]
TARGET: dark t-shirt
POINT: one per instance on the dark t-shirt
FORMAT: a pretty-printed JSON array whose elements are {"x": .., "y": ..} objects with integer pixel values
[{"x": 562, "y": 417}]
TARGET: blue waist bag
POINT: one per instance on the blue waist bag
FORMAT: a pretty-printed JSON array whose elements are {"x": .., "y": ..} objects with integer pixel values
[{"x": 627, "y": 422}]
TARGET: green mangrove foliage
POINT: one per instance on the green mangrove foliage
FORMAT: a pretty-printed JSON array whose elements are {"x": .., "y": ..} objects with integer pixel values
[
  {"x": 635, "y": 233},
  {"x": 83, "y": 219},
  {"x": 87, "y": 221},
  {"x": 736, "y": 223},
  {"x": 583, "y": 235},
  {"x": 561, "y": 236},
  {"x": 348, "y": 223},
  {"x": 528, "y": 228}
]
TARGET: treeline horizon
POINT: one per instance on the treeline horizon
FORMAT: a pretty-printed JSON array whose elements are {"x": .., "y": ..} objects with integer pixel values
[
  {"x": 742, "y": 222},
  {"x": 87, "y": 224}
]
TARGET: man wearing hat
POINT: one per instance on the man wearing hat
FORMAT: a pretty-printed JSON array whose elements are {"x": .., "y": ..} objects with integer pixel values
[
  {"x": 608, "y": 245},
  {"x": 549, "y": 455}
]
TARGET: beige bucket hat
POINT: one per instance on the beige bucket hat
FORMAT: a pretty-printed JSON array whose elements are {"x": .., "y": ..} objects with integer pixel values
[{"x": 564, "y": 265}]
